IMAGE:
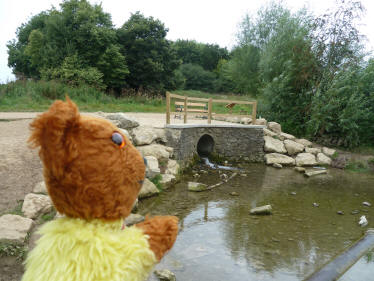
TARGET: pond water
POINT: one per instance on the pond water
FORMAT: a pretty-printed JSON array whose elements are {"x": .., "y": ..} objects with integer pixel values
[{"x": 219, "y": 240}]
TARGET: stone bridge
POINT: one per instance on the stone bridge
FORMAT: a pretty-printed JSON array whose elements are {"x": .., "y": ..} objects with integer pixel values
[{"x": 234, "y": 142}]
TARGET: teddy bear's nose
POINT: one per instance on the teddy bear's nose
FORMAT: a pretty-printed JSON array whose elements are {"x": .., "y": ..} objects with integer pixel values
[{"x": 145, "y": 161}]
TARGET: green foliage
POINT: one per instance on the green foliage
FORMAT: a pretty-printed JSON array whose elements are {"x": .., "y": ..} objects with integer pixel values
[
  {"x": 150, "y": 57},
  {"x": 157, "y": 182},
  {"x": 357, "y": 166},
  {"x": 196, "y": 78},
  {"x": 13, "y": 250}
]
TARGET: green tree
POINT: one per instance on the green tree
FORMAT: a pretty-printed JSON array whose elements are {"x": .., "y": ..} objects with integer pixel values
[
  {"x": 150, "y": 57},
  {"x": 197, "y": 78}
]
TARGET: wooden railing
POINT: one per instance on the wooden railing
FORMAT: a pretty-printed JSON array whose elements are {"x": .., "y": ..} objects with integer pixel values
[{"x": 190, "y": 108}]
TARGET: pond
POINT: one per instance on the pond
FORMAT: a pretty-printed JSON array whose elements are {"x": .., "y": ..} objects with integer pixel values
[{"x": 219, "y": 240}]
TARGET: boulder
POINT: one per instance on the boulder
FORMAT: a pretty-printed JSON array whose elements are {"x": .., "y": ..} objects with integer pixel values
[
  {"x": 322, "y": 159},
  {"x": 261, "y": 121},
  {"x": 126, "y": 133},
  {"x": 35, "y": 205},
  {"x": 148, "y": 189},
  {"x": 167, "y": 180},
  {"x": 196, "y": 186},
  {"x": 311, "y": 173},
  {"x": 157, "y": 150},
  {"x": 300, "y": 169},
  {"x": 284, "y": 136},
  {"x": 172, "y": 167},
  {"x": 274, "y": 145},
  {"x": 133, "y": 219},
  {"x": 304, "y": 142},
  {"x": 263, "y": 210},
  {"x": 152, "y": 168},
  {"x": 293, "y": 147},
  {"x": 269, "y": 133},
  {"x": 312, "y": 150},
  {"x": 277, "y": 165},
  {"x": 275, "y": 127},
  {"x": 14, "y": 228},
  {"x": 328, "y": 151},
  {"x": 272, "y": 158},
  {"x": 122, "y": 121},
  {"x": 165, "y": 275},
  {"x": 40, "y": 188},
  {"x": 305, "y": 159},
  {"x": 143, "y": 135}
]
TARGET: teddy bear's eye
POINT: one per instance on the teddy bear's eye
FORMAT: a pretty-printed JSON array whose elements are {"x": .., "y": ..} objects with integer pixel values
[{"x": 117, "y": 138}]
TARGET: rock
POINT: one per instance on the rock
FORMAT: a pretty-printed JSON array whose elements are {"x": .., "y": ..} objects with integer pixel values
[
  {"x": 14, "y": 228},
  {"x": 315, "y": 205},
  {"x": 196, "y": 175},
  {"x": 157, "y": 150},
  {"x": 355, "y": 212},
  {"x": 167, "y": 180},
  {"x": 269, "y": 133},
  {"x": 312, "y": 150},
  {"x": 304, "y": 142},
  {"x": 172, "y": 167},
  {"x": 293, "y": 147},
  {"x": 133, "y": 219},
  {"x": 275, "y": 127},
  {"x": 340, "y": 162},
  {"x": 363, "y": 221},
  {"x": 277, "y": 165},
  {"x": 328, "y": 151},
  {"x": 122, "y": 121},
  {"x": 143, "y": 135},
  {"x": 272, "y": 158},
  {"x": 340, "y": 212},
  {"x": 315, "y": 172},
  {"x": 261, "y": 121},
  {"x": 305, "y": 159},
  {"x": 58, "y": 215},
  {"x": 300, "y": 169},
  {"x": 152, "y": 168},
  {"x": 35, "y": 205},
  {"x": 40, "y": 188},
  {"x": 274, "y": 145},
  {"x": 246, "y": 120},
  {"x": 322, "y": 159},
  {"x": 263, "y": 210},
  {"x": 165, "y": 275},
  {"x": 234, "y": 193},
  {"x": 367, "y": 204},
  {"x": 293, "y": 193},
  {"x": 196, "y": 186},
  {"x": 284, "y": 136},
  {"x": 148, "y": 189},
  {"x": 126, "y": 133}
]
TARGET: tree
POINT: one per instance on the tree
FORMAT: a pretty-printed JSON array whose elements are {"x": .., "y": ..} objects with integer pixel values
[
  {"x": 78, "y": 32},
  {"x": 150, "y": 58}
]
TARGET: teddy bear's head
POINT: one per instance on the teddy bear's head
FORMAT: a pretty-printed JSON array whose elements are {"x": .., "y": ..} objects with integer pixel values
[{"x": 90, "y": 168}]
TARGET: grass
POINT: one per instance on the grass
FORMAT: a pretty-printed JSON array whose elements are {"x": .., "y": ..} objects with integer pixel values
[
  {"x": 14, "y": 250},
  {"x": 357, "y": 166},
  {"x": 38, "y": 96}
]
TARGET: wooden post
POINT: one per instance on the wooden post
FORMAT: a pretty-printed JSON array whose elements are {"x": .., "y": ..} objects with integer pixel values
[
  {"x": 185, "y": 110},
  {"x": 210, "y": 111},
  {"x": 167, "y": 108},
  {"x": 254, "y": 108}
]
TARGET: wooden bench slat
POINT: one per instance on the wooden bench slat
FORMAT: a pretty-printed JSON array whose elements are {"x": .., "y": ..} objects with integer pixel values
[{"x": 190, "y": 104}]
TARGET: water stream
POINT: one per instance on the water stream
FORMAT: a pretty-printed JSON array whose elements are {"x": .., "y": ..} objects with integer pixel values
[{"x": 219, "y": 240}]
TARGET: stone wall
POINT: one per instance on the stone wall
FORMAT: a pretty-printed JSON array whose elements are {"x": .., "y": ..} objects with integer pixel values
[{"x": 234, "y": 142}]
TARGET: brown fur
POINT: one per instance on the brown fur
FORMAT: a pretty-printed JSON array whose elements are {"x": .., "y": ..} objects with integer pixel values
[
  {"x": 90, "y": 177},
  {"x": 162, "y": 231}
]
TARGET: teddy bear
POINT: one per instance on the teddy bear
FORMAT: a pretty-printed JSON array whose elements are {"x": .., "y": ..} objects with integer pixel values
[{"x": 93, "y": 175}]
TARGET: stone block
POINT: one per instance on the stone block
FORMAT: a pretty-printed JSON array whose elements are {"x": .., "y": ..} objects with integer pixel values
[{"x": 14, "y": 228}]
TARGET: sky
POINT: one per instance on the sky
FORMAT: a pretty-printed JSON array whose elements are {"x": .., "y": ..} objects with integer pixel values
[{"x": 206, "y": 21}]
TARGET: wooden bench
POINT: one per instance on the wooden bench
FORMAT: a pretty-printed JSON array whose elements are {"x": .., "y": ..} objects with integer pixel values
[{"x": 191, "y": 108}]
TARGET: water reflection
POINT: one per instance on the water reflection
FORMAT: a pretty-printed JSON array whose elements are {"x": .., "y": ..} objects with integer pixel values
[{"x": 219, "y": 240}]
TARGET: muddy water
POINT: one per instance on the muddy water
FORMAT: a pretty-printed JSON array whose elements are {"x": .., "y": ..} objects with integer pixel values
[{"x": 219, "y": 240}]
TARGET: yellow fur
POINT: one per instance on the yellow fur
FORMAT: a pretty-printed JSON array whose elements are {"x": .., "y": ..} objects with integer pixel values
[{"x": 77, "y": 250}]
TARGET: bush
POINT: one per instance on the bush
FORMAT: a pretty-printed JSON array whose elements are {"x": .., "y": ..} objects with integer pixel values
[{"x": 196, "y": 78}]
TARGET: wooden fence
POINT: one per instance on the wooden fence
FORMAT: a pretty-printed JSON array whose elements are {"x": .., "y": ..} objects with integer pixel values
[{"x": 203, "y": 108}]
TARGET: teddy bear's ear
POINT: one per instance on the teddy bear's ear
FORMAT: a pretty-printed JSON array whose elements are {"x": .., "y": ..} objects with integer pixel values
[{"x": 50, "y": 127}]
